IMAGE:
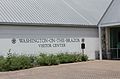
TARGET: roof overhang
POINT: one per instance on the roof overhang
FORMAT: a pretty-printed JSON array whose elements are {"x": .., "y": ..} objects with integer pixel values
[
  {"x": 110, "y": 25},
  {"x": 48, "y": 25}
]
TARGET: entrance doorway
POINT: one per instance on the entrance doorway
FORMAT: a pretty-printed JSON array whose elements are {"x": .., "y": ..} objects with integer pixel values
[{"x": 115, "y": 43}]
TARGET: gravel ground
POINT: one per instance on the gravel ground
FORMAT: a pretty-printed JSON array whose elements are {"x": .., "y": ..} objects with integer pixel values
[{"x": 83, "y": 70}]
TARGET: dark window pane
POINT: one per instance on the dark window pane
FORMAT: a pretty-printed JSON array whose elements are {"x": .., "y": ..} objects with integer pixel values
[{"x": 114, "y": 53}]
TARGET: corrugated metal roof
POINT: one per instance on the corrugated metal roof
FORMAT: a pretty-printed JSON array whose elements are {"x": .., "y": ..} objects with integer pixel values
[
  {"x": 80, "y": 12},
  {"x": 112, "y": 16}
]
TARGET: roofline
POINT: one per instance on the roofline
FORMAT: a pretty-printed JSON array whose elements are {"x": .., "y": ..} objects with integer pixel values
[
  {"x": 47, "y": 24},
  {"x": 110, "y": 25},
  {"x": 105, "y": 13}
]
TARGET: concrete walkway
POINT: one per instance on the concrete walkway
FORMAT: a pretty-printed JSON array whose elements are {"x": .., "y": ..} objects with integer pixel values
[{"x": 82, "y": 70}]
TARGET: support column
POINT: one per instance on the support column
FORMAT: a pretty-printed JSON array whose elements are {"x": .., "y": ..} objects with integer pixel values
[{"x": 100, "y": 45}]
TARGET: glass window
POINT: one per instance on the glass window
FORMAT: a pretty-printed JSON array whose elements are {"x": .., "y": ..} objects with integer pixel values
[{"x": 113, "y": 38}]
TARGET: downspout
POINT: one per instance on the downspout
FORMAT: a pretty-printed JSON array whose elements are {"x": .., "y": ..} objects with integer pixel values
[{"x": 99, "y": 29}]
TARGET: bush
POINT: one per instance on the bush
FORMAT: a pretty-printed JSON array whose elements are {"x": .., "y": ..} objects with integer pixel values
[
  {"x": 24, "y": 62},
  {"x": 33, "y": 60},
  {"x": 2, "y": 63},
  {"x": 17, "y": 62},
  {"x": 54, "y": 59},
  {"x": 47, "y": 60},
  {"x": 65, "y": 58},
  {"x": 69, "y": 58},
  {"x": 42, "y": 59},
  {"x": 14, "y": 62},
  {"x": 77, "y": 57},
  {"x": 84, "y": 57}
]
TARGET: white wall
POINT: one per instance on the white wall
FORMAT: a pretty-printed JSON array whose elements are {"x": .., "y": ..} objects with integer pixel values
[{"x": 7, "y": 33}]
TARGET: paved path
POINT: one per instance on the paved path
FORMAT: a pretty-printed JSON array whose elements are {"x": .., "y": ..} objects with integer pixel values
[{"x": 82, "y": 70}]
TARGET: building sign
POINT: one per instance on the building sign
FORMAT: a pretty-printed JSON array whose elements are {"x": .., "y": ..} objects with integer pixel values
[{"x": 48, "y": 42}]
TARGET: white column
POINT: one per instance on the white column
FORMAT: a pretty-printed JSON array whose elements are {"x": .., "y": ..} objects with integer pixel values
[{"x": 100, "y": 43}]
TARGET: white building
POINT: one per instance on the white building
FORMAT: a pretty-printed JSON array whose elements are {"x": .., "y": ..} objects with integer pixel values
[{"x": 59, "y": 26}]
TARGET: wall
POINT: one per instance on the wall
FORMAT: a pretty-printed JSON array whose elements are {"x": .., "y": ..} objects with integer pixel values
[{"x": 34, "y": 40}]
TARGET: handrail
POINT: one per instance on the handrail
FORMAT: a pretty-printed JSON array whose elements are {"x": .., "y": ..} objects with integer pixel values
[{"x": 114, "y": 48}]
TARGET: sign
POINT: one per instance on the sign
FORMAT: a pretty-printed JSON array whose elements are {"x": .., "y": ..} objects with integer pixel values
[{"x": 47, "y": 42}]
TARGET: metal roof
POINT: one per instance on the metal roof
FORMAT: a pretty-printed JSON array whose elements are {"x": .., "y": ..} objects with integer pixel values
[
  {"x": 78, "y": 12},
  {"x": 112, "y": 16}
]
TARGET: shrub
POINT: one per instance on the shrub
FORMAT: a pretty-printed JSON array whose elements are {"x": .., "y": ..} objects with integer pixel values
[
  {"x": 84, "y": 57},
  {"x": 47, "y": 60},
  {"x": 16, "y": 62},
  {"x": 68, "y": 58},
  {"x": 62, "y": 58},
  {"x": 42, "y": 59},
  {"x": 33, "y": 60},
  {"x": 77, "y": 57},
  {"x": 24, "y": 61},
  {"x": 54, "y": 59},
  {"x": 2, "y": 63}
]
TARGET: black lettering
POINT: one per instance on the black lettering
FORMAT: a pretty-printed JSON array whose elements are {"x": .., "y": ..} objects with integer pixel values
[
  {"x": 44, "y": 45},
  {"x": 51, "y": 40},
  {"x": 72, "y": 40},
  {"x": 21, "y": 40},
  {"x": 58, "y": 45}
]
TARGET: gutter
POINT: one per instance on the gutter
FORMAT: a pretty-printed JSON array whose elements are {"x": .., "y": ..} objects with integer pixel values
[{"x": 47, "y": 25}]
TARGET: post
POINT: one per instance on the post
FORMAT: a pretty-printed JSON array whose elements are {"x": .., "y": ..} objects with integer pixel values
[
  {"x": 100, "y": 45},
  {"x": 82, "y": 51}
]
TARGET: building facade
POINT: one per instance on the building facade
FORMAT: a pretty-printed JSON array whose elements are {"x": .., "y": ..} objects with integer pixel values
[{"x": 60, "y": 26}]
